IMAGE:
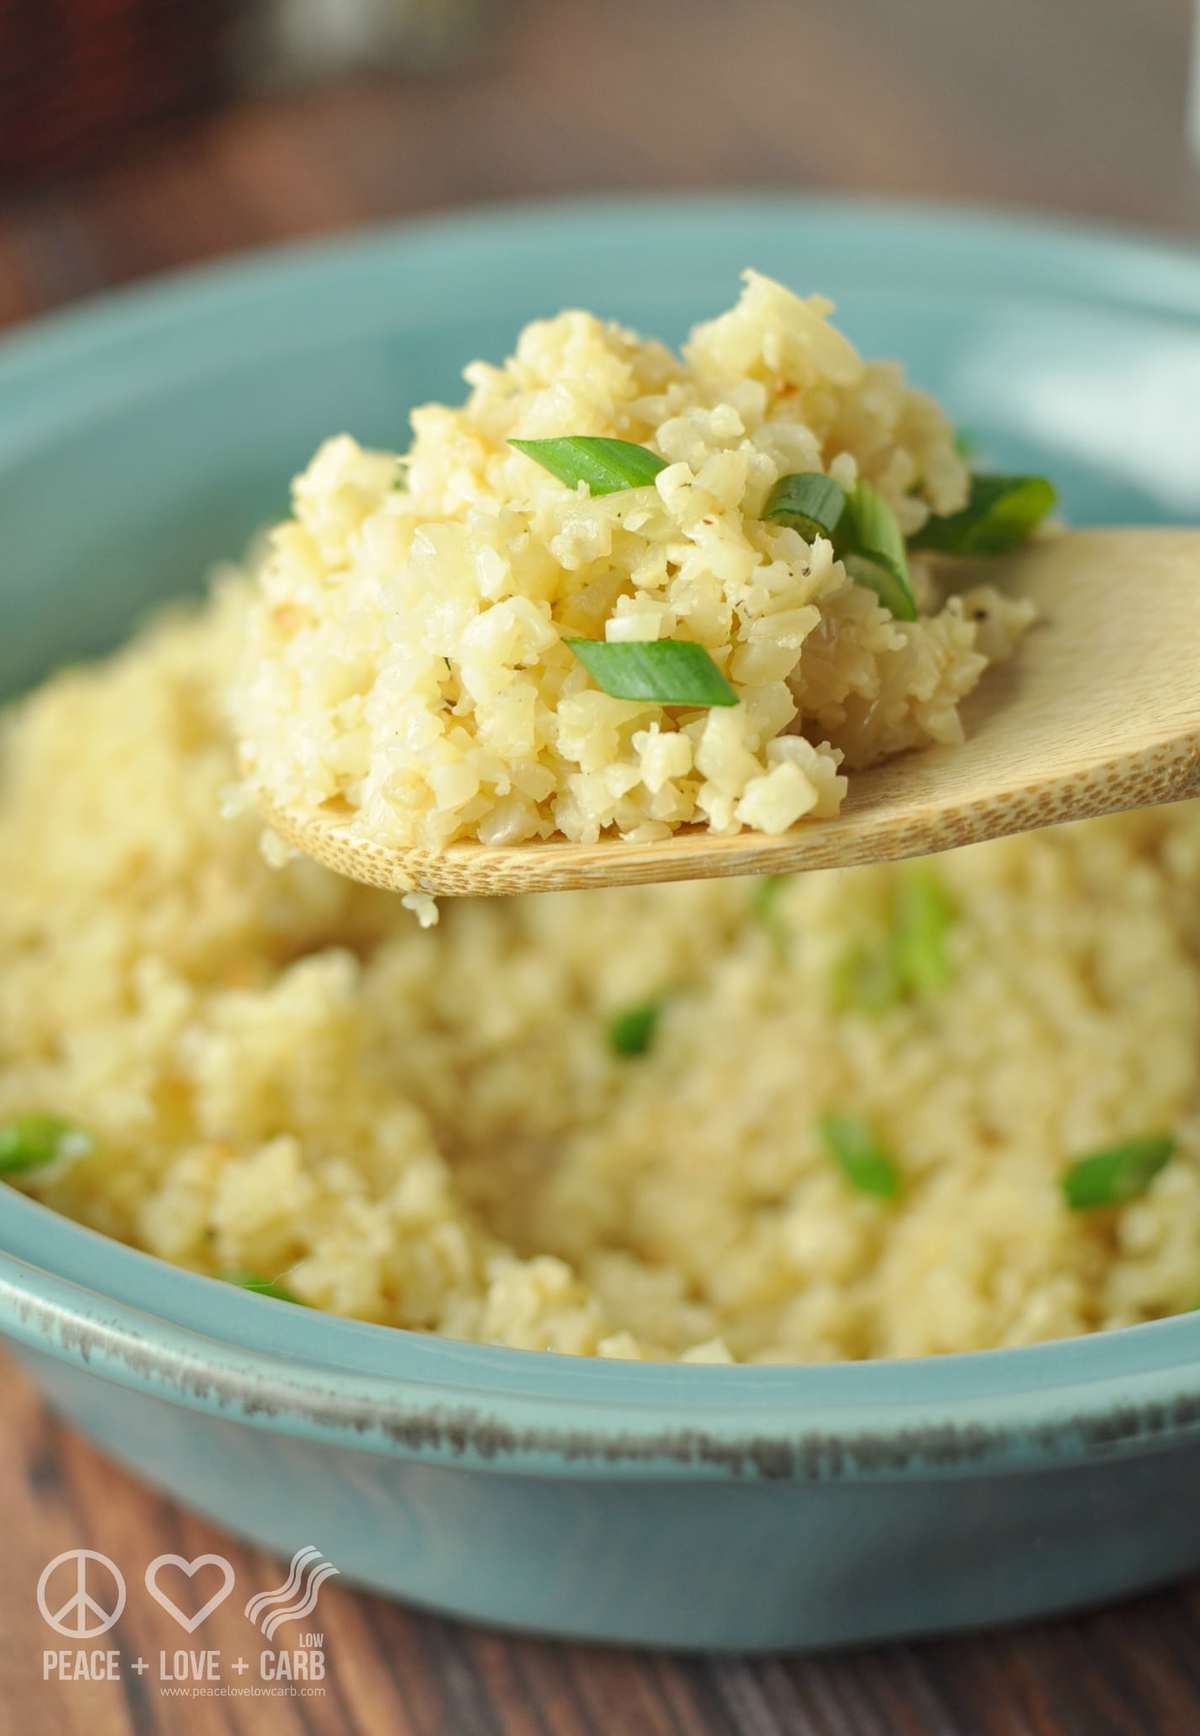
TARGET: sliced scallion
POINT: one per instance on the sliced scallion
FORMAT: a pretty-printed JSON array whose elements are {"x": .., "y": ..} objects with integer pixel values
[
  {"x": 1001, "y": 513},
  {"x": 858, "y": 1154},
  {"x": 261, "y": 1286},
  {"x": 921, "y": 924},
  {"x": 765, "y": 898},
  {"x": 604, "y": 466},
  {"x": 871, "y": 545},
  {"x": 1117, "y": 1173},
  {"x": 632, "y": 1031},
  {"x": 909, "y": 958},
  {"x": 807, "y": 501},
  {"x": 37, "y": 1141},
  {"x": 764, "y": 908},
  {"x": 865, "y": 980},
  {"x": 888, "y": 584},
  {"x": 666, "y": 671}
]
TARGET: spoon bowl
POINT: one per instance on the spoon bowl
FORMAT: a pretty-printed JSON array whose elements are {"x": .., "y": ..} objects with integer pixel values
[{"x": 1099, "y": 710}]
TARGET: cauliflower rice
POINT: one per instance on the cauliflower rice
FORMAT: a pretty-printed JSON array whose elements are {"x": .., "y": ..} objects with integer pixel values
[
  {"x": 285, "y": 1076},
  {"x": 406, "y": 656}
]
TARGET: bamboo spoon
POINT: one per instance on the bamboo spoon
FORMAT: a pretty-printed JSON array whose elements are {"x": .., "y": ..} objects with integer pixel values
[{"x": 1098, "y": 710}]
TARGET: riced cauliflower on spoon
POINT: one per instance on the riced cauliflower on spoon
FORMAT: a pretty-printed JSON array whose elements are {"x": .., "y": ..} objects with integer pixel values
[{"x": 618, "y": 592}]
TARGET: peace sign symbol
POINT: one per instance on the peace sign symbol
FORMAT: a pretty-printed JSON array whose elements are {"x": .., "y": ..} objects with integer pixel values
[{"x": 82, "y": 1616}]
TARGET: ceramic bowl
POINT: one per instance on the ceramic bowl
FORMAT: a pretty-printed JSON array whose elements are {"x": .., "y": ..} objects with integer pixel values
[{"x": 686, "y": 1506}]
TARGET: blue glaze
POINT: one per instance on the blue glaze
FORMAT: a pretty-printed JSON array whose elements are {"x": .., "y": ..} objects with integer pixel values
[{"x": 675, "y": 1505}]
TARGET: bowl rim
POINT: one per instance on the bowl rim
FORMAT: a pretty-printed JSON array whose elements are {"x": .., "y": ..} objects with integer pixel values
[
  {"x": 68, "y": 1291},
  {"x": 132, "y": 1318},
  {"x": 1100, "y": 262}
]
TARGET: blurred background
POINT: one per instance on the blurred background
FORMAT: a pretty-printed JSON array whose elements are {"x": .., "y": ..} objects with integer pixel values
[{"x": 141, "y": 134}]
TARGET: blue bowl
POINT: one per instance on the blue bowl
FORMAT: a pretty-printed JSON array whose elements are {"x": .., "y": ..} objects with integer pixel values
[{"x": 685, "y": 1506}]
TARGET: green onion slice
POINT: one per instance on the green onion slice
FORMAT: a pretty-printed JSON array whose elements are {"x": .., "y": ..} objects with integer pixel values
[
  {"x": 809, "y": 502},
  {"x": 605, "y": 466},
  {"x": 36, "y": 1141},
  {"x": 870, "y": 543},
  {"x": 888, "y": 584},
  {"x": 261, "y": 1286},
  {"x": 1117, "y": 1173},
  {"x": 632, "y": 1031},
  {"x": 764, "y": 909},
  {"x": 921, "y": 923},
  {"x": 859, "y": 1155},
  {"x": 865, "y": 980},
  {"x": 765, "y": 898},
  {"x": 910, "y": 959},
  {"x": 1001, "y": 513},
  {"x": 667, "y": 671}
]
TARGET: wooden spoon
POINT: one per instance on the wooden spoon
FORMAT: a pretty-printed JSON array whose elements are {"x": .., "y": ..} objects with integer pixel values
[{"x": 1098, "y": 710}]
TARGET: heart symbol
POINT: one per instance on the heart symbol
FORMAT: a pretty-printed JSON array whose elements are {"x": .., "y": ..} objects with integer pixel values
[{"x": 191, "y": 1568}]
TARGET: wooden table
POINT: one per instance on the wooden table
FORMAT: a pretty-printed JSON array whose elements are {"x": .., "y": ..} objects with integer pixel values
[{"x": 1065, "y": 104}]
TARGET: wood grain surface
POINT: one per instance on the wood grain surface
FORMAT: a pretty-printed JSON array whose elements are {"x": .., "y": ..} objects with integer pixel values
[{"x": 1068, "y": 105}]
